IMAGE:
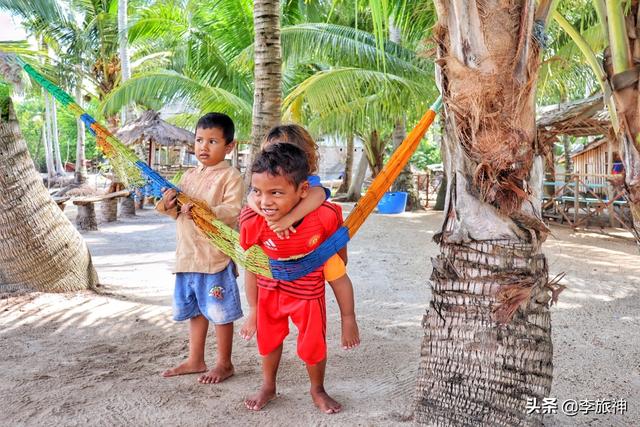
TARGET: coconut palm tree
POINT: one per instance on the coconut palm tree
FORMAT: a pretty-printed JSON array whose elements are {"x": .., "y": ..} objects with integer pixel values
[
  {"x": 83, "y": 36},
  {"x": 487, "y": 345},
  {"x": 267, "y": 93},
  {"x": 193, "y": 61},
  {"x": 40, "y": 248}
]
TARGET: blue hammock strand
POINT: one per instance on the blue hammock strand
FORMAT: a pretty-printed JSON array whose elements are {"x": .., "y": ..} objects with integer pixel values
[
  {"x": 294, "y": 269},
  {"x": 156, "y": 181},
  {"x": 88, "y": 121}
]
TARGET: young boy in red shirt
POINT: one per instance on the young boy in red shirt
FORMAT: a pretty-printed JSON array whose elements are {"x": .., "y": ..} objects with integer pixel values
[{"x": 279, "y": 182}]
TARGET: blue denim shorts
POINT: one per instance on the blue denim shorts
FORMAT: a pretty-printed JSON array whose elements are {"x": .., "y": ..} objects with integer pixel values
[{"x": 215, "y": 296}]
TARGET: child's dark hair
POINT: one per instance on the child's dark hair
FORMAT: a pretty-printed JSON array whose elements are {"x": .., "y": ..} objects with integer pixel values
[
  {"x": 297, "y": 135},
  {"x": 220, "y": 121},
  {"x": 283, "y": 159}
]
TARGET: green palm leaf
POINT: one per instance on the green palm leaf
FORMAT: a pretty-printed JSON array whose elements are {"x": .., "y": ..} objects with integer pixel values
[{"x": 155, "y": 89}]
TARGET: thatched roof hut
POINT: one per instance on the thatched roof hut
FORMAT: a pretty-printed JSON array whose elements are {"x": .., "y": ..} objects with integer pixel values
[
  {"x": 585, "y": 117},
  {"x": 162, "y": 143}
]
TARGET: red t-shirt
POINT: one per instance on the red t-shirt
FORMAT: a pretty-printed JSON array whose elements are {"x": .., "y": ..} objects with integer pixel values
[{"x": 314, "y": 229}]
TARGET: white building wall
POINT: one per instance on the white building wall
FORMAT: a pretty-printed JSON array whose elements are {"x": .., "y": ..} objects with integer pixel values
[{"x": 333, "y": 156}]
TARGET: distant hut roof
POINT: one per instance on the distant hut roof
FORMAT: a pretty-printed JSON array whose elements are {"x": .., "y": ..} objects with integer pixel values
[
  {"x": 585, "y": 117},
  {"x": 149, "y": 127},
  {"x": 590, "y": 146}
]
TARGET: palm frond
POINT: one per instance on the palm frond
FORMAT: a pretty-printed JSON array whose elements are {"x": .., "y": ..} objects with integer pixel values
[
  {"x": 155, "y": 89},
  {"x": 344, "y": 46}
]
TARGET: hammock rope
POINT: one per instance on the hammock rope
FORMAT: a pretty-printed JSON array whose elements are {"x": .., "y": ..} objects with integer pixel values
[{"x": 127, "y": 164}]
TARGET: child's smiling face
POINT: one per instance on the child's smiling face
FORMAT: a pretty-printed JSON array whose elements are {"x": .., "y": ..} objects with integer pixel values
[
  {"x": 275, "y": 195},
  {"x": 210, "y": 146}
]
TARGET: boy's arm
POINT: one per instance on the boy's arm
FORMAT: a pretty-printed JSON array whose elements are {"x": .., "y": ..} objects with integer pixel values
[
  {"x": 251, "y": 290},
  {"x": 252, "y": 203},
  {"x": 314, "y": 199},
  {"x": 228, "y": 209}
]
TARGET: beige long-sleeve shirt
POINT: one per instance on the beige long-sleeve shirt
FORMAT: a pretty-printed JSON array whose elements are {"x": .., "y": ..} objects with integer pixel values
[{"x": 222, "y": 188}]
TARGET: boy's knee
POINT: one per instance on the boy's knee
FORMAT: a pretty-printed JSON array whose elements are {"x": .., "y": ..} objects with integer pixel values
[{"x": 334, "y": 268}]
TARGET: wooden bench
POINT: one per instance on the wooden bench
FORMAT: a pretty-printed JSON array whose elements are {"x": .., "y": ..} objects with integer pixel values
[
  {"x": 86, "y": 217},
  {"x": 60, "y": 201}
]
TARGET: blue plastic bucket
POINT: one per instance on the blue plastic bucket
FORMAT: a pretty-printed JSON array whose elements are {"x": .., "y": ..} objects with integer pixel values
[{"x": 393, "y": 202}]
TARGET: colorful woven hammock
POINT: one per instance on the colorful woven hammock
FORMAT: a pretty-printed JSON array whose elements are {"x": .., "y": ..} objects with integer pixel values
[{"x": 127, "y": 164}]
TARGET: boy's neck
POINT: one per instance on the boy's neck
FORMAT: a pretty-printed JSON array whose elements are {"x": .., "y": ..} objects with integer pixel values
[{"x": 220, "y": 163}]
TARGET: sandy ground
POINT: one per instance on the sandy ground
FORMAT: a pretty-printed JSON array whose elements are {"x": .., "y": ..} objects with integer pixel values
[{"x": 87, "y": 359}]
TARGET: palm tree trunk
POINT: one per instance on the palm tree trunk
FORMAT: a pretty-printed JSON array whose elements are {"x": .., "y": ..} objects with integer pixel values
[
  {"x": 441, "y": 195},
  {"x": 125, "y": 72},
  {"x": 348, "y": 167},
  {"x": 487, "y": 347},
  {"x": 51, "y": 172},
  {"x": 57, "y": 155},
  {"x": 622, "y": 76},
  {"x": 267, "y": 95},
  {"x": 404, "y": 182},
  {"x": 80, "y": 174},
  {"x": 374, "y": 149},
  {"x": 39, "y": 248},
  {"x": 127, "y": 205},
  {"x": 355, "y": 191},
  {"x": 47, "y": 139}
]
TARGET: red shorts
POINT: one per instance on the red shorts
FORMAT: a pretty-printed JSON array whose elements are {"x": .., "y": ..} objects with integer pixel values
[{"x": 274, "y": 310}]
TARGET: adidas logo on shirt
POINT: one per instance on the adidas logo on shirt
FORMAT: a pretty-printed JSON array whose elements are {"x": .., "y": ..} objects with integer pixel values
[{"x": 269, "y": 243}]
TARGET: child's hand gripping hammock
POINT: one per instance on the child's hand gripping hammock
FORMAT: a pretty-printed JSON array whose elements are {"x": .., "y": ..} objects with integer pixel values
[{"x": 220, "y": 235}]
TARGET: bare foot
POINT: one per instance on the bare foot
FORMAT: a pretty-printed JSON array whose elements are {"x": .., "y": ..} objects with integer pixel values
[
  {"x": 325, "y": 402},
  {"x": 257, "y": 401},
  {"x": 187, "y": 367},
  {"x": 248, "y": 329},
  {"x": 350, "y": 333},
  {"x": 218, "y": 374}
]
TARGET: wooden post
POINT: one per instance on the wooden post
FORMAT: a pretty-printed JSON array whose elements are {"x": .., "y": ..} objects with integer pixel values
[
  {"x": 86, "y": 217},
  {"x": 612, "y": 221},
  {"x": 576, "y": 204},
  {"x": 109, "y": 210},
  {"x": 427, "y": 182}
]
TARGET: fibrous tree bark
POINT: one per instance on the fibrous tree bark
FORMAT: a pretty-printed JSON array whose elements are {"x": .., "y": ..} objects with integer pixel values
[
  {"x": 39, "y": 247},
  {"x": 487, "y": 347},
  {"x": 374, "y": 149},
  {"x": 267, "y": 95},
  {"x": 622, "y": 73}
]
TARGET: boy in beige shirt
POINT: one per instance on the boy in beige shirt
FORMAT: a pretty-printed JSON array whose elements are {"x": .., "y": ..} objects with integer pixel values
[{"x": 206, "y": 289}]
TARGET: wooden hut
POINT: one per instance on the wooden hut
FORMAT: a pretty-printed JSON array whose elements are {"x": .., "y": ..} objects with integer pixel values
[
  {"x": 587, "y": 118},
  {"x": 162, "y": 145},
  {"x": 593, "y": 162},
  {"x": 589, "y": 190}
]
